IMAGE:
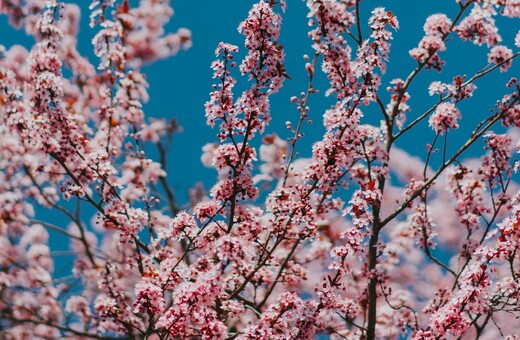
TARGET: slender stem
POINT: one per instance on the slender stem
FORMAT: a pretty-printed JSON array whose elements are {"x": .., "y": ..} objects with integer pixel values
[
  {"x": 474, "y": 137},
  {"x": 372, "y": 283},
  {"x": 303, "y": 115},
  {"x": 477, "y": 75}
]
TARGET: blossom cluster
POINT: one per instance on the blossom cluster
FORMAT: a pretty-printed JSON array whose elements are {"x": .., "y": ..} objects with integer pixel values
[{"x": 361, "y": 239}]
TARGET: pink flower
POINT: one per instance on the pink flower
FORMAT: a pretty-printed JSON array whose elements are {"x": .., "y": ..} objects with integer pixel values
[
  {"x": 512, "y": 116},
  {"x": 423, "y": 248},
  {"x": 273, "y": 153},
  {"x": 437, "y": 25},
  {"x": 497, "y": 158},
  {"x": 80, "y": 306},
  {"x": 498, "y": 55},
  {"x": 479, "y": 26},
  {"x": 149, "y": 299},
  {"x": 459, "y": 89},
  {"x": 206, "y": 209},
  {"x": 183, "y": 225},
  {"x": 436, "y": 87},
  {"x": 444, "y": 118},
  {"x": 262, "y": 29},
  {"x": 427, "y": 52}
]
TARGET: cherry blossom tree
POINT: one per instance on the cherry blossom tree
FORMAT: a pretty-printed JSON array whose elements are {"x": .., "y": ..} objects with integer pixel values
[{"x": 361, "y": 240}]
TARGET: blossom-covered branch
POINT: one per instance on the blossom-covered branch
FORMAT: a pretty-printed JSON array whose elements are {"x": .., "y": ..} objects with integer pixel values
[{"x": 362, "y": 237}]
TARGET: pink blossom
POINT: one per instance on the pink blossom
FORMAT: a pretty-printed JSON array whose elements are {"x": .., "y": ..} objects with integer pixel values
[
  {"x": 437, "y": 25},
  {"x": 183, "y": 225},
  {"x": 206, "y": 209},
  {"x": 347, "y": 235},
  {"x": 80, "y": 306},
  {"x": 444, "y": 117},
  {"x": 427, "y": 51},
  {"x": 436, "y": 87},
  {"x": 149, "y": 299},
  {"x": 500, "y": 55},
  {"x": 262, "y": 29},
  {"x": 479, "y": 26},
  {"x": 512, "y": 116},
  {"x": 461, "y": 89},
  {"x": 273, "y": 153}
]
